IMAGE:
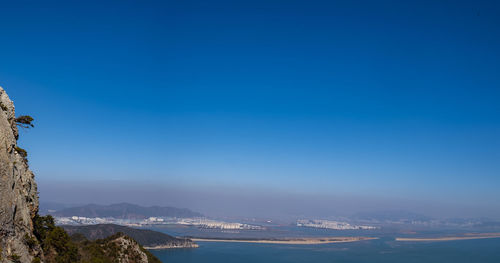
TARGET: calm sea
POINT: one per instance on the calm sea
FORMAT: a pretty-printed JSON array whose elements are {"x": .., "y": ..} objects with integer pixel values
[{"x": 384, "y": 250}]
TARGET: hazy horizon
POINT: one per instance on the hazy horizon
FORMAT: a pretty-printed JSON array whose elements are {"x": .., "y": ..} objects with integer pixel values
[
  {"x": 260, "y": 108},
  {"x": 241, "y": 202}
]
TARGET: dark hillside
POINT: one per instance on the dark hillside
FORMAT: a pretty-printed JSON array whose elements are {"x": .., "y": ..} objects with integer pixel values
[{"x": 144, "y": 237}]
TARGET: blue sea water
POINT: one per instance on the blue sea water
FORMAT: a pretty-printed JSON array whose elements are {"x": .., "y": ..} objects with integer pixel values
[{"x": 383, "y": 250}]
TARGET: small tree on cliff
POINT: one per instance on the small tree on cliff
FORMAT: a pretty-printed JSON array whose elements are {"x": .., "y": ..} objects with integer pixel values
[
  {"x": 22, "y": 152},
  {"x": 25, "y": 121}
]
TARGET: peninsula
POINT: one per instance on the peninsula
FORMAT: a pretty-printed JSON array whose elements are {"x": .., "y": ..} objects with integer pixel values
[{"x": 292, "y": 241}]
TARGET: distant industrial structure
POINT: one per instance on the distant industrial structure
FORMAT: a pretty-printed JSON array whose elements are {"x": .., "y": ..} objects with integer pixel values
[
  {"x": 197, "y": 222},
  {"x": 327, "y": 224}
]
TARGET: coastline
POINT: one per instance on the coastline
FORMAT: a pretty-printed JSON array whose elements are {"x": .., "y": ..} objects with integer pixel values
[
  {"x": 437, "y": 239},
  {"x": 292, "y": 241},
  {"x": 194, "y": 245}
]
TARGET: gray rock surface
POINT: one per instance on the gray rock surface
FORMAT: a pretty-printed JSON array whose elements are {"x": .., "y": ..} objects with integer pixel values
[
  {"x": 18, "y": 192},
  {"x": 129, "y": 251}
]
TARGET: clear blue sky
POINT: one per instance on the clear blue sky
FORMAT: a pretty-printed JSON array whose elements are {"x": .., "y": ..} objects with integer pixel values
[{"x": 374, "y": 99}]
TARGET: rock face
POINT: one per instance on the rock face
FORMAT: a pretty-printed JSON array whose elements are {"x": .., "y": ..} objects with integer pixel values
[
  {"x": 129, "y": 250},
  {"x": 19, "y": 211},
  {"x": 18, "y": 192}
]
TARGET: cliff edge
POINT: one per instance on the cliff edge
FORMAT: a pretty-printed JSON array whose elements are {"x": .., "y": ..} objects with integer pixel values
[
  {"x": 26, "y": 237},
  {"x": 18, "y": 192}
]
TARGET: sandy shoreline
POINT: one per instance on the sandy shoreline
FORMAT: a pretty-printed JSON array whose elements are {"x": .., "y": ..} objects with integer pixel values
[
  {"x": 467, "y": 237},
  {"x": 170, "y": 246},
  {"x": 293, "y": 241}
]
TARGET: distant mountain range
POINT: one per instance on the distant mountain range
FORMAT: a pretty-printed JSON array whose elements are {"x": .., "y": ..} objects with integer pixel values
[
  {"x": 47, "y": 208},
  {"x": 146, "y": 238},
  {"x": 393, "y": 215},
  {"x": 125, "y": 211}
]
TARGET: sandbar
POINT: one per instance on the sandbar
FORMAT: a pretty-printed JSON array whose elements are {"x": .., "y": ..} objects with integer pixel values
[{"x": 293, "y": 241}]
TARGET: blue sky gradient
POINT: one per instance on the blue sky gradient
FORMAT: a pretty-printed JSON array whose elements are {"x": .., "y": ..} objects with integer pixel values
[{"x": 378, "y": 99}]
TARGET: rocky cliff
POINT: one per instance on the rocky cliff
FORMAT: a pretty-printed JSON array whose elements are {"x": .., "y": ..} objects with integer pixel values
[
  {"x": 18, "y": 192},
  {"x": 26, "y": 237}
]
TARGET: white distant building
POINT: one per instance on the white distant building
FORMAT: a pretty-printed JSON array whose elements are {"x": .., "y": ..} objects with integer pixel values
[
  {"x": 155, "y": 219},
  {"x": 327, "y": 224},
  {"x": 207, "y": 223}
]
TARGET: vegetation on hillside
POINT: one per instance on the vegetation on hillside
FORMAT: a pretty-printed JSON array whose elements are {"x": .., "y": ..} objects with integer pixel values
[
  {"x": 56, "y": 243},
  {"x": 24, "y": 121},
  {"x": 144, "y": 237},
  {"x": 59, "y": 247},
  {"x": 23, "y": 153}
]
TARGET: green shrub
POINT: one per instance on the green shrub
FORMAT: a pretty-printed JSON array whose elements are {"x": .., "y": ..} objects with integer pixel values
[
  {"x": 15, "y": 258},
  {"x": 29, "y": 240},
  {"x": 59, "y": 247},
  {"x": 22, "y": 152},
  {"x": 56, "y": 243}
]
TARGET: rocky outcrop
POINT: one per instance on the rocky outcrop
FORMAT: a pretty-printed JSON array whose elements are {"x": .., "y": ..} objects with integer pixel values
[
  {"x": 118, "y": 248},
  {"x": 19, "y": 212},
  {"x": 129, "y": 250},
  {"x": 147, "y": 238},
  {"x": 18, "y": 192}
]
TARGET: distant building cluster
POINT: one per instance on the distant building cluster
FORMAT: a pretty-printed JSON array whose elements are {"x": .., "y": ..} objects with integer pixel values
[
  {"x": 327, "y": 224},
  {"x": 155, "y": 219},
  {"x": 213, "y": 224},
  {"x": 198, "y": 222},
  {"x": 81, "y": 220}
]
